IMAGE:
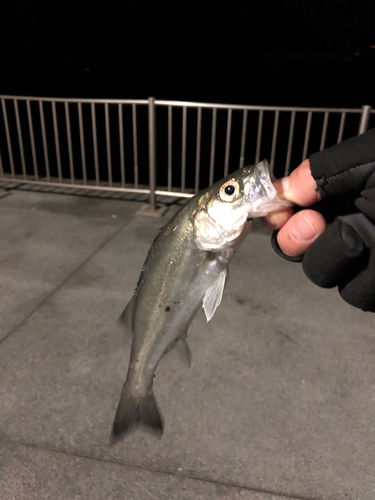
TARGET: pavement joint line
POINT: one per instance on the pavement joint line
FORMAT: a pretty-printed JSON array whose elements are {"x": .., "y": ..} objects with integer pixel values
[
  {"x": 228, "y": 484},
  {"x": 60, "y": 285}
]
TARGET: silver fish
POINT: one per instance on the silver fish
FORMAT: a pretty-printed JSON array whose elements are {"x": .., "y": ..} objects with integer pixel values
[{"x": 186, "y": 267}]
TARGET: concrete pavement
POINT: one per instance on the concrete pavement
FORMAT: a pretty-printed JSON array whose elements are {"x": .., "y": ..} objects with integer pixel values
[{"x": 279, "y": 403}]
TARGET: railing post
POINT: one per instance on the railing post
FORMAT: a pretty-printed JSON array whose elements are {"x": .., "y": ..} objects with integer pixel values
[
  {"x": 152, "y": 150},
  {"x": 365, "y": 116}
]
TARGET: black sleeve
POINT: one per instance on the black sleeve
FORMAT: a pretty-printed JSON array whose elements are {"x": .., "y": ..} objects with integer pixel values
[{"x": 345, "y": 167}]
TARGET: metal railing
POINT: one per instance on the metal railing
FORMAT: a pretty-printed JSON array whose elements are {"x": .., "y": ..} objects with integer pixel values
[{"x": 158, "y": 147}]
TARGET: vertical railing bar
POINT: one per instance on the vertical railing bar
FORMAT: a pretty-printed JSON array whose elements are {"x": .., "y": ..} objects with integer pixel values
[
  {"x": 341, "y": 129},
  {"x": 69, "y": 136},
  {"x": 57, "y": 142},
  {"x": 9, "y": 143},
  {"x": 44, "y": 138},
  {"x": 122, "y": 152},
  {"x": 82, "y": 143},
  {"x": 324, "y": 131},
  {"x": 32, "y": 139},
  {"x": 227, "y": 142},
  {"x": 183, "y": 153},
  {"x": 95, "y": 142},
  {"x": 152, "y": 151},
  {"x": 198, "y": 149},
  {"x": 135, "y": 145},
  {"x": 20, "y": 139},
  {"x": 169, "y": 148},
  {"x": 290, "y": 142},
  {"x": 213, "y": 144},
  {"x": 259, "y": 136},
  {"x": 108, "y": 141},
  {"x": 365, "y": 117},
  {"x": 274, "y": 140},
  {"x": 1, "y": 166},
  {"x": 243, "y": 138},
  {"x": 307, "y": 135}
]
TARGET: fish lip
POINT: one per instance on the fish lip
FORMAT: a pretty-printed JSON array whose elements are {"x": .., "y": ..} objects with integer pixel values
[
  {"x": 258, "y": 184},
  {"x": 260, "y": 194}
]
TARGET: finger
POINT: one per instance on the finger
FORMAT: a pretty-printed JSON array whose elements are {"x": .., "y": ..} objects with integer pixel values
[
  {"x": 275, "y": 220},
  {"x": 300, "y": 231},
  {"x": 300, "y": 187},
  {"x": 341, "y": 246}
]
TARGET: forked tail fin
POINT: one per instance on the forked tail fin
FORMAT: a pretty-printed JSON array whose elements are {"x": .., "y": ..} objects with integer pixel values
[{"x": 133, "y": 410}]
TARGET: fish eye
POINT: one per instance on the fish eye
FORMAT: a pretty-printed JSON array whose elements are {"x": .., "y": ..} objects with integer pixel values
[{"x": 229, "y": 191}]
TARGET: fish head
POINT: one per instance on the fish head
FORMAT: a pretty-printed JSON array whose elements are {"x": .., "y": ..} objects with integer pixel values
[{"x": 225, "y": 207}]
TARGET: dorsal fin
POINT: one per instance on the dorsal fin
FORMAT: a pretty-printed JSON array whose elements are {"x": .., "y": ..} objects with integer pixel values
[{"x": 126, "y": 317}]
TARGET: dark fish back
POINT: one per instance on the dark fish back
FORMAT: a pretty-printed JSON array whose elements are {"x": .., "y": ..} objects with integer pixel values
[{"x": 150, "y": 255}]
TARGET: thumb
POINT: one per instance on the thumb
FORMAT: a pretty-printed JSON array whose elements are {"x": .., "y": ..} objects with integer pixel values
[{"x": 300, "y": 187}]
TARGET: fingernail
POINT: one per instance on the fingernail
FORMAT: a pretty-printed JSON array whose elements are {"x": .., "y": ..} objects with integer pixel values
[
  {"x": 302, "y": 229},
  {"x": 284, "y": 184}
]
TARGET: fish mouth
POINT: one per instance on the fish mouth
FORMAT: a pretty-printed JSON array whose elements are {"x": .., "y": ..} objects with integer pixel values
[{"x": 260, "y": 193}]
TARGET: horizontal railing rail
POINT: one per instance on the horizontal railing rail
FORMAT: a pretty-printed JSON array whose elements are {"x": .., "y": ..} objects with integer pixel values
[
  {"x": 75, "y": 99},
  {"x": 249, "y": 107},
  {"x": 158, "y": 147}
]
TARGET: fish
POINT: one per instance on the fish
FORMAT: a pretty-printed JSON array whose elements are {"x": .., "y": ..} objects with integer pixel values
[{"x": 186, "y": 268}]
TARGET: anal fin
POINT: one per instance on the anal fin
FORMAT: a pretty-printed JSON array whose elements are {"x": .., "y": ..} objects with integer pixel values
[{"x": 183, "y": 350}]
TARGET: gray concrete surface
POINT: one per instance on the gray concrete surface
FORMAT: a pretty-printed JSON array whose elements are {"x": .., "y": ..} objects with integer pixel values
[
  {"x": 39, "y": 474},
  {"x": 279, "y": 403},
  {"x": 45, "y": 241}
]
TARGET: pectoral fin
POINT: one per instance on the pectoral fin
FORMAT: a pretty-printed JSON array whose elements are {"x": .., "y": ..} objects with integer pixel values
[{"x": 213, "y": 295}]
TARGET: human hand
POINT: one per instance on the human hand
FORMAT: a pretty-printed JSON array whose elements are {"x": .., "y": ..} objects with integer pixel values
[
  {"x": 336, "y": 234},
  {"x": 297, "y": 230}
]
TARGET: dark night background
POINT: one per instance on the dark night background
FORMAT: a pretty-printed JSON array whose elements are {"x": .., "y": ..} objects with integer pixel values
[
  {"x": 256, "y": 52},
  {"x": 266, "y": 52}
]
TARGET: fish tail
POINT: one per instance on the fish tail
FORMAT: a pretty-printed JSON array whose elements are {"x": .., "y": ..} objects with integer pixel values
[{"x": 133, "y": 410}]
